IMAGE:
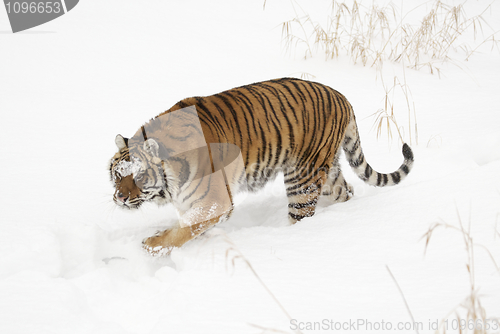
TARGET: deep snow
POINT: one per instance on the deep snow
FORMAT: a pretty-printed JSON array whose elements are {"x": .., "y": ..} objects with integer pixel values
[{"x": 71, "y": 262}]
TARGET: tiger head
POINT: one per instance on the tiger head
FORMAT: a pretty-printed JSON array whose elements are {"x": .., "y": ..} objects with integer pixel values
[{"x": 137, "y": 174}]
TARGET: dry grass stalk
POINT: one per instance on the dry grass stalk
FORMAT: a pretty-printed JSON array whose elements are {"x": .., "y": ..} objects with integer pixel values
[
  {"x": 435, "y": 138},
  {"x": 385, "y": 116},
  {"x": 475, "y": 318},
  {"x": 233, "y": 253},
  {"x": 307, "y": 76},
  {"x": 372, "y": 35},
  {"x": 404, "y": 299}
]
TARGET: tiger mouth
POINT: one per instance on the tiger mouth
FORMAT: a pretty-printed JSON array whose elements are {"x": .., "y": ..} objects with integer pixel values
[{"x": 128, "y": 205}]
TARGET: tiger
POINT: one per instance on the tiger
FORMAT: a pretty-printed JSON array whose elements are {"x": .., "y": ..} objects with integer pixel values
[{"x": 288, "y": 125}]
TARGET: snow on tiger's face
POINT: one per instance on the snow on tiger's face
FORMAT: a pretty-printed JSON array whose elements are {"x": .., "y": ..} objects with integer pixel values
[{"x": 137, "y": 174}]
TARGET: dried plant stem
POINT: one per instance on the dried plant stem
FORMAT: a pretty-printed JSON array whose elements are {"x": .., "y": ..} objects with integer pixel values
[
  {"x": 403, "y": 296},
  {"x": 377, "y": 34},
  {"x": 387, "y": 114},
  {"x": 237, "y": 254},
  {"x": 373, "y": 35},
  {"x": 471, "y": 305}
]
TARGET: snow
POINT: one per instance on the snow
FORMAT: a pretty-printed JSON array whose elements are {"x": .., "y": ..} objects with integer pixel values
[
  {"x": 126, "y": 168},
  {"x": 71, "y": 260}
]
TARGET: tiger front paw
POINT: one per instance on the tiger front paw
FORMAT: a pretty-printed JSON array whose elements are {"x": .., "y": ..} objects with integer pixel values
[{"x": 158, "y": 244}]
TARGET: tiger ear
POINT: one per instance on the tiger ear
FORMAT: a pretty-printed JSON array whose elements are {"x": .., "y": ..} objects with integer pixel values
[
  {"x": 121, "y": 142},
  {"x": 151, "y": 147}
]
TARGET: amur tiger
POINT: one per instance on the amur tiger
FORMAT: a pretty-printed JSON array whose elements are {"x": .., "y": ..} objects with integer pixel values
[{"x": 285, "y": 125}]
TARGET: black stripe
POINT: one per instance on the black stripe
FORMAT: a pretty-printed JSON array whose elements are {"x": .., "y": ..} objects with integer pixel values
[
  {"x": 277, "y": 126},
  {"x": 264, "y": 143},
  {"x": 407, "y": 153},
  {"x": 304, "y": 188},
  {"x": 301, "y": 96},
  {"x": 206, "y": 115},
  {"x": 368, "y": 171},
  {"x": 184, "y": 170},
  {"x": 353, "y": 149},
  {"x": 396, "y": 177},
  {"x": 338, "y": 195},
  {"x": 243, "y": 100},
  {"x": 336, "y": 178},
  {"x": 295, "y": 193},
  {"x": 303, "y": 180},
  {"x": 223, "y": 115},
  {"x": 250, "y": 109},
  {"x": 312, "y": 202},
  {"x": 359, "y": 161},
  {"x": 344, "y": 116},
  {"x": 405, "y": 169},
  {"x": 307, "y": 116},
  {"x": 270, "y": 155},
  {"x": 323, "y": 116},
  {"x": 228, "y": 104},
  {"x": 195, "y": 189},
  {"x": 296, "y": 217}
]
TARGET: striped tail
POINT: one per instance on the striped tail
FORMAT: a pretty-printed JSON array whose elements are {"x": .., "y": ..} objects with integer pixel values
[{"x": 357, "y": 161}]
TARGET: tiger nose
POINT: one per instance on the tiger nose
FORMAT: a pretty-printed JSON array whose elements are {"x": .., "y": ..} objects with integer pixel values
[{"x": 121, "y": 197}]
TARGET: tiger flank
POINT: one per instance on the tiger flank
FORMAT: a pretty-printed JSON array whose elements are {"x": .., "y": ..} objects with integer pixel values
[{"x": 202, "y": 152}]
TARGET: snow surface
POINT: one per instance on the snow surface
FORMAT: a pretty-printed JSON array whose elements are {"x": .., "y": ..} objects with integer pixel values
[{"x": 70, "y": 260}]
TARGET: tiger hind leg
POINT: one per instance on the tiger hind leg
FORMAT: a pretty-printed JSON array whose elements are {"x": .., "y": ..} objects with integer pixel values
[
  {"x": 303, "y": 190},
  {"x": 336, "y": 188}
]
